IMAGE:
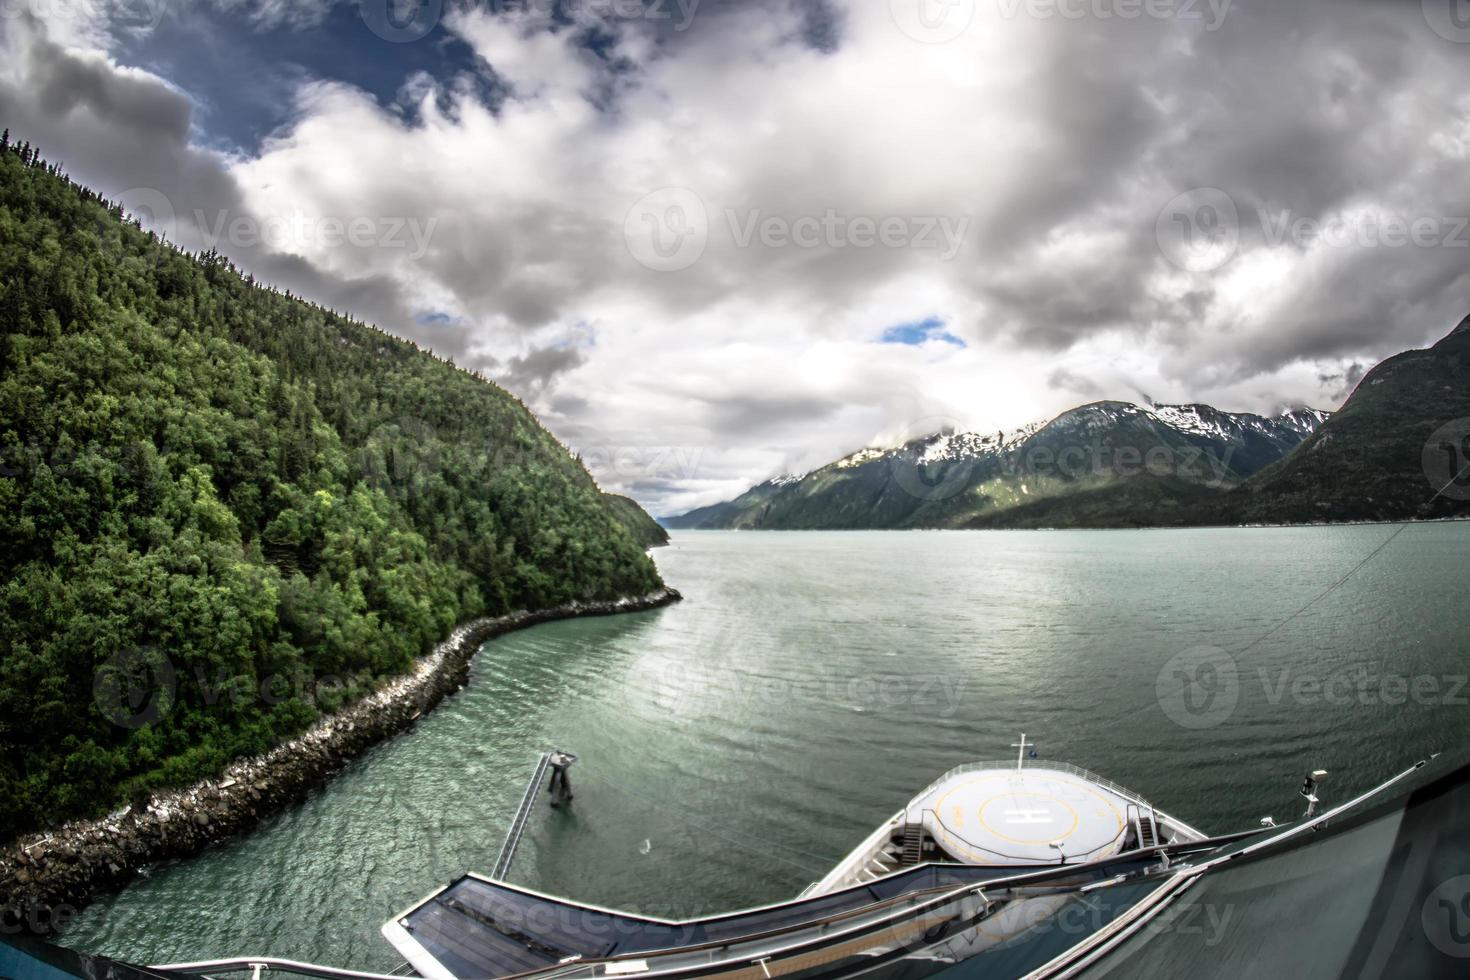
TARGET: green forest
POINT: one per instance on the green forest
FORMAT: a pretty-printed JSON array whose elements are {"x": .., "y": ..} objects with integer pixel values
[{"x": 204, "y": 476}]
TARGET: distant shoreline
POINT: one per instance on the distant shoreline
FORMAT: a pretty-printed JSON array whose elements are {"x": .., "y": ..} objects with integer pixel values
[
  {"x": 46, "y": 878},
  {"x": 984, "y": 530}
]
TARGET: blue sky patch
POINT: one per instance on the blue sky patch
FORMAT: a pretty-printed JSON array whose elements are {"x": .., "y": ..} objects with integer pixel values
[
  {"x": 243, "y": 76},
  {"x": 921, "y": 332}
]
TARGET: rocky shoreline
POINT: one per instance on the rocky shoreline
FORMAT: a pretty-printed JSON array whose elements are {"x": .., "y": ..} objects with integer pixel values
[{"x": 47, "y": 878}]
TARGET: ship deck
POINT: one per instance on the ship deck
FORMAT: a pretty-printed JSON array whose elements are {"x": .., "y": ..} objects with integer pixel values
[
  {"x": 1024, "y": 816},
  {"x": 476, "y": 927}
]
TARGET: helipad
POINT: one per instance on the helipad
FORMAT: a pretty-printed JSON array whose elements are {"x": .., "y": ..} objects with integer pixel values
[{"x": 1010, "y": 816}]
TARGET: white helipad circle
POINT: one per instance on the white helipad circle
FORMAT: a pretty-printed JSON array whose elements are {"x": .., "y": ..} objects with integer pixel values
[
  {"x": 997, "y": 816},
  {"x": 1028, "y": 818}
]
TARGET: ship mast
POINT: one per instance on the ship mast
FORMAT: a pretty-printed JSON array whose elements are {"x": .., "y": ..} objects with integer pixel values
[{"x": 1021, "y": 752}]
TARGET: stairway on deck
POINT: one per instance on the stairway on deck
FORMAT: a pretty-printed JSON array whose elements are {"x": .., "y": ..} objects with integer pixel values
[
  {"x": 913, "y": 845},
  {"x": 1148, "y": 835}
]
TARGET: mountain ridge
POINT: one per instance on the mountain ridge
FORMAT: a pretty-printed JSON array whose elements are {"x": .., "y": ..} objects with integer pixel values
[
  {"x": 959, "y": 479},
  {"x": 1398, "y": 449}
]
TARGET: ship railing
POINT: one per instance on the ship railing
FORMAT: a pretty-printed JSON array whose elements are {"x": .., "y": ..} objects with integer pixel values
[
  {"x": 1065, "y": 767},
  {"x": 258, "y": 965},
  {"x": 877, "y": 924}
]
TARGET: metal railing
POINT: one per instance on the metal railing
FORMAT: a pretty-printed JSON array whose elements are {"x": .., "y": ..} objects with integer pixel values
[
  {"x": 256, "y": 965},
  {"x": 1063, "y": 767},
  {"x": 518, "y": 825}
]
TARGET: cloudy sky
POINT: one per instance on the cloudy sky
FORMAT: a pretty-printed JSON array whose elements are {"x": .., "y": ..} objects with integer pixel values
[{"x": 711, "y": 241}]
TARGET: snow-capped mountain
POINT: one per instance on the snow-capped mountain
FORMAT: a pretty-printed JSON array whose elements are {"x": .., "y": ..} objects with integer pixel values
[{"x": 953, "y": 479}]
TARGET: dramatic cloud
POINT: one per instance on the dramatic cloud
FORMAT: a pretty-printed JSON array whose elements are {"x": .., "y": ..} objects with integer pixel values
[{"x": 713, "y": 242}]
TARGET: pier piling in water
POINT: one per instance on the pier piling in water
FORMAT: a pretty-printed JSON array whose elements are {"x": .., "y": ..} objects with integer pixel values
[{"x": 560, "y": 786}]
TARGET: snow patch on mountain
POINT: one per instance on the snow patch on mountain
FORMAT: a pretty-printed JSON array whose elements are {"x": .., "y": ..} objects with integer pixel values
[
  {"x": 1199, "y": 421},
  {"x": 1305, "y": 420},
  {"x": 859, "y": 458},
  {"x": 949, "y": 447},
  {"x": 1202, "y": 420}
]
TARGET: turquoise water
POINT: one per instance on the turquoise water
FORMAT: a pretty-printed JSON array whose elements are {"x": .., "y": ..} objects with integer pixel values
[{"x": 735, "y": 746}]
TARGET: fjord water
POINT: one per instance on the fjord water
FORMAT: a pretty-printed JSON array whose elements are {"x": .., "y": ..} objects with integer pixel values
[{"x": 735, "y": 746}]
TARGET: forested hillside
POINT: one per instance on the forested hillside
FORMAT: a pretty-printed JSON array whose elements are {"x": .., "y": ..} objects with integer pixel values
[
  {"x": 1398, "y": 450},
  {"x": 240, "y": 499},
  {"x": 645, "y": 530}
]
